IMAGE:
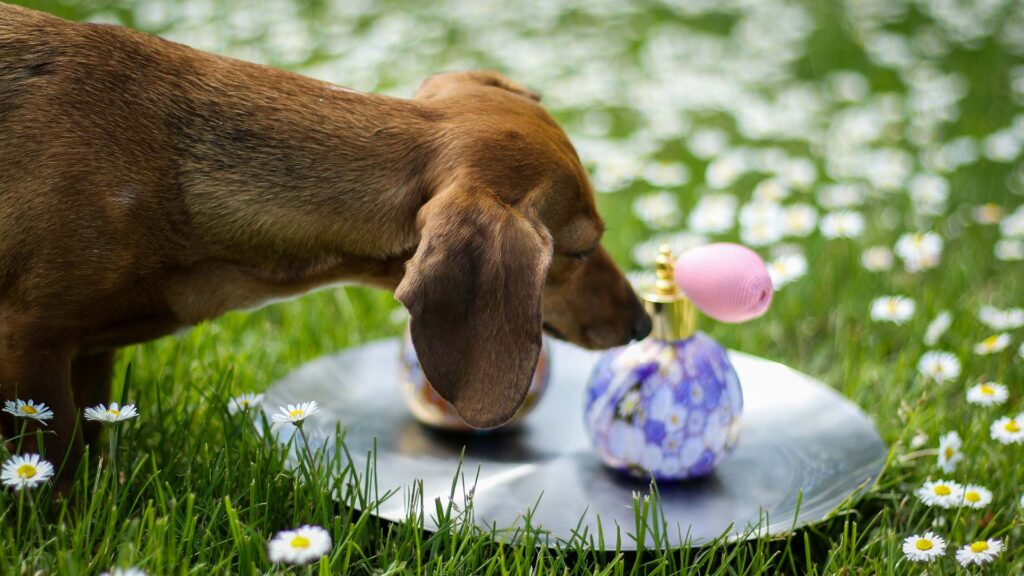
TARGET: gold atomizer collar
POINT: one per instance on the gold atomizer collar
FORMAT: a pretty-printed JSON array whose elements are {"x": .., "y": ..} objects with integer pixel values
[{"x": 673, "y": 315}]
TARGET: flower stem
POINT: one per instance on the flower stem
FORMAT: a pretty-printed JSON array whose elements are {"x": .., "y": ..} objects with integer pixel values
[
  {"x": 112, "y": 439},
  {"x": 305, "y": 440},
  {"x": 309, "y": 455},
  {"x": 36, "y": 517},
  {"x": 21, "y": 505},
  {"x": 21, "y": 435}
]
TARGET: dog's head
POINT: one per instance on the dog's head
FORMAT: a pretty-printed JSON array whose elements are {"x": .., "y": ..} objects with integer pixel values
[{"x": 510, "y": 246}]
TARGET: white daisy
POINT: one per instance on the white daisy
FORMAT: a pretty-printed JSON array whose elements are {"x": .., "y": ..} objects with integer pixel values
[
  {"x": 243, "y": 402},
  {"x": 723, "y": 171},
  {"x": 770, "y": 190},
  {"x": 976, "y": 496},
  {"x": 937, "y": 327},
  {"x": 949, "y": 451},
  {"x": 842, "y": 195},
  {"x": 115, "y": 413},
  {"x": 124, "y": 572},
  {"x": 787, "y": 268},
  {"x": 939, "y": 366},
  {"x": 1007, "y": 430},
  {"x": 940, "y": 493},
  {"x": 761, "y": 233},
  {"x": 924, "y": 548},
  {"x": 713, "y": 214},
  {"x": 295, "y": 413},
  {"x": 919, "y": 440},
  {"x": 1009, "y": 249},
  {"x": 842, "y": 224},
  {"x": 658, "y": 210},
  {"x": 1002, "y": 146},
  {"x": 1001, "y": 319},
  {"x": 988, "y": 214},
  {"x": 992, "y": 344},
  {"x": 987, "y": 394},
  {"x": 25, "y": 471},
  {"x": 929, "y": 193},
  {"x": 895, "y": 309},
  {"x": 877, "y": 259},
  {"x": 919, "y": 251},
  {"x": 1012, "y": 226},
  {"x": 666, "y": 174},
  {"x": 799, "y": 220},
  {"x": 300, "y": 546},
  {"x": 28, "y": 409},
  {"x": 761, "y": 222},
  {"x": 705, "y": 143},
  {"x": 980, "y": 552}
]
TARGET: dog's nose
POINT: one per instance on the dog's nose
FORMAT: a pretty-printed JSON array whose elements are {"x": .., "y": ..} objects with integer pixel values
[{"x": 641, "y": 326}]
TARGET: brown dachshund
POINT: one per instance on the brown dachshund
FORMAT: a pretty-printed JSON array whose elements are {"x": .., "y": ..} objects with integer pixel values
[{"x": 146, "y": 186}]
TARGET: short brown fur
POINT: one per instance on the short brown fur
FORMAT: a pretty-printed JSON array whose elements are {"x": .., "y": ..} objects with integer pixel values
[{"x": 146, "y": 186}]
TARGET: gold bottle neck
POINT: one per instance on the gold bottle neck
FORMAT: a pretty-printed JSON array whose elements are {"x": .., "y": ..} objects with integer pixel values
[
  {"x": 673, "y": 315},
  {"x": 672, "y": 320}
]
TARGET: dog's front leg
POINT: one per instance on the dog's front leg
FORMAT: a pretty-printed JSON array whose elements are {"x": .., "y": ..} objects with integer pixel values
[
  {"x": 43, "y": 375},
  {"x": 91, "y": 376}
]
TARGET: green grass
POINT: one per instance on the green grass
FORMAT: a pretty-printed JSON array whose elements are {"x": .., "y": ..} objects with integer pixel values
[{"x": 198, "y": 491}]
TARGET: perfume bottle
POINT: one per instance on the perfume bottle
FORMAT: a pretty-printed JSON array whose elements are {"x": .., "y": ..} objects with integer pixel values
[{"x": 669, "y": 405}]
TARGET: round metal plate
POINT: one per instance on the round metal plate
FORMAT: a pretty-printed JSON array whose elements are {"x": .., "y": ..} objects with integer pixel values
[{"x": 803, "y": 450}]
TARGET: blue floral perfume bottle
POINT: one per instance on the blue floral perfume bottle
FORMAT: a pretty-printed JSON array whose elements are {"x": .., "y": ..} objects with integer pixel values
[{"x": 670, "y": 405}]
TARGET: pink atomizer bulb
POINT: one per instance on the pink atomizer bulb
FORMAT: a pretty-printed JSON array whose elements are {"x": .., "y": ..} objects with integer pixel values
[{"x": 728, "y": 282}]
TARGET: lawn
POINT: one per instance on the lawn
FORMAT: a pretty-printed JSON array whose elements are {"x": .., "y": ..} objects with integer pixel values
[{"x": 820, "y": 133}]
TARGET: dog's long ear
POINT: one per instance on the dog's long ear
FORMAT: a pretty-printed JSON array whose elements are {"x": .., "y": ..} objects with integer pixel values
[{"x": 473, "y": 289}]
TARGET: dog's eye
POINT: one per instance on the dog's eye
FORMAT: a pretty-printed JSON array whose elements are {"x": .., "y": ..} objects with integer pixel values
[{"x": 580, "y": 256}]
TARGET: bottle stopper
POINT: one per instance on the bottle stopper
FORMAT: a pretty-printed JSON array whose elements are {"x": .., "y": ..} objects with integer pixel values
[{"x": 673, "y": 316}]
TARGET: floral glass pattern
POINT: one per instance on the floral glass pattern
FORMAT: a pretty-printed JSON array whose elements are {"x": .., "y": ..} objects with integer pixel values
[{"x": 670, "y": 409}]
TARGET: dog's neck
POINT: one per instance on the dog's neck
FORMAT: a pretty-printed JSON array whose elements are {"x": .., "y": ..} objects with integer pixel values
[{"x": 283, "y": 170}]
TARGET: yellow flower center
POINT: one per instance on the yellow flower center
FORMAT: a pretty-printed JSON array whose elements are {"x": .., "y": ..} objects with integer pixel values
[
  {"x": 26, "y": 471},
  {"x": 990, "y": 212},
  {"x": 295, "y": 413},
  {"x": 990, "y": 342},
  {"x": 29, "y": 409},
  {"x": 113, "y": 412},
  {"x": 300, "y": 542},
  {"x": 1011, "y": 426},
  {"x": 891, "y": 306},
  {"x": 979, "y": 547},
  {"x": 972, "y": 496},
  {"x": 923, "y": 544},
  {"x": 987, "y": 390},
  {"x": 950, "y": 452},
  {"x": 942, "y": 490}
]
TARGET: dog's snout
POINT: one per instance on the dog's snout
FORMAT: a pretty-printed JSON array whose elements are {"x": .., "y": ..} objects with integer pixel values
[{"x": 641, "y": 326}]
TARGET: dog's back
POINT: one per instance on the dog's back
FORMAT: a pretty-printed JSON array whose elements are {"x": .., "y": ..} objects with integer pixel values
[
  {"x": 77, "y": 151},
  {"x": 25, "y": 56}
]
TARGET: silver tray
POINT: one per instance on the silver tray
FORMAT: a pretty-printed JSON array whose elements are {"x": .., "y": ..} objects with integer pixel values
[{"x": 803, "y": 451}]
